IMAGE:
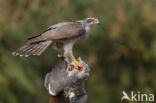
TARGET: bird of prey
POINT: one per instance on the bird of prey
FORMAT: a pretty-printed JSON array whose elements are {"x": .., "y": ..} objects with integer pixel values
[{"x": 63, "y": 34}]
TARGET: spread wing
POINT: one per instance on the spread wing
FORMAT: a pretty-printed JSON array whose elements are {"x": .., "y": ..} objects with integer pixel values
[{"x": 61, "y": 31}]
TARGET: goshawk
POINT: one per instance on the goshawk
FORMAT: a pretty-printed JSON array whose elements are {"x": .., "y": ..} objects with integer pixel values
[{"x": 64, "y": 35}]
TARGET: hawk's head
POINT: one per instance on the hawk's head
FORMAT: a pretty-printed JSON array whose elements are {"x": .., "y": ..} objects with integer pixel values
[{"x": 92, "y": 21}]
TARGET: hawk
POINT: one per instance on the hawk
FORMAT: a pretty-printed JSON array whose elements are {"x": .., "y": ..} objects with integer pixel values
[{"x": 63, "y": 34}]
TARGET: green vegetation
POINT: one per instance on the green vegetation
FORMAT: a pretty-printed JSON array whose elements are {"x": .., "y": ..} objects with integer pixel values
[{"x": 121, "y": 52}]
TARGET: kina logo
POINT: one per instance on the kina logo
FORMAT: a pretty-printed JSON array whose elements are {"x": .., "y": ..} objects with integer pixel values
[{"x": 137, "y": 96}]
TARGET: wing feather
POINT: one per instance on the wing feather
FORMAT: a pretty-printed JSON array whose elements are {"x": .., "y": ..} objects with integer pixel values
[
  {"x": 66, "y": 31},
  {"x": 61, "y": 31}
]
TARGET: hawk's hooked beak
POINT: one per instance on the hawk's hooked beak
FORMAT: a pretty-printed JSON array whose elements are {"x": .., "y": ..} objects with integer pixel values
[{"x": 97, "y": 21}]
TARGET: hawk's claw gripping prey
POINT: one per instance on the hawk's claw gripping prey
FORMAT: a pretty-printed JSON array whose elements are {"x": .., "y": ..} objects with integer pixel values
[
  {"x": 73, "y": 63},
  {"x": 78, "y": 64}
]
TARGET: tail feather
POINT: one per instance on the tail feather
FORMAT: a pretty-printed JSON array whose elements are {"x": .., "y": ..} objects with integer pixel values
[
  {"x": 34, "y": 52},
  {"x": 17, "y": 52},
  {"x": 35, "y": 48},
  {"x": 31, "y": 49},
  {"x": 20, "y": 50},
  {"x": 23, "y": 51},
  {"x": 43, "y": 49}
]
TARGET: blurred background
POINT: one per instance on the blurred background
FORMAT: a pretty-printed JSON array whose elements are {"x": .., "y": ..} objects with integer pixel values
[{"x": 121, "y": 52}]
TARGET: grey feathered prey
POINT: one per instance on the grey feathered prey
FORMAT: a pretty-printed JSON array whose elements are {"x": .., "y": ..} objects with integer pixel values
[
  {"x": 67, "y": 86},
  {"x": 64, "y": 35}
]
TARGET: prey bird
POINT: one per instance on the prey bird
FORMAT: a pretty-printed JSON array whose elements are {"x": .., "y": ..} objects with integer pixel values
[{"x": 63, "y": 34}]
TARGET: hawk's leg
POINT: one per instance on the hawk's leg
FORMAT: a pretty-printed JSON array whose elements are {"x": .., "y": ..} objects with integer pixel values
[{"x": 68, "y": 45}]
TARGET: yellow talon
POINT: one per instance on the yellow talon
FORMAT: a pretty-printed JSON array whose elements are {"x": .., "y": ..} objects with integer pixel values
[{"x": 76, "y": 62}]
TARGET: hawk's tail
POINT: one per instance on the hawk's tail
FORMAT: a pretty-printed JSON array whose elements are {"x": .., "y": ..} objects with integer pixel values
[{"x": 32, "y": 48}]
